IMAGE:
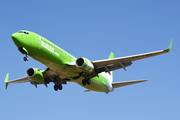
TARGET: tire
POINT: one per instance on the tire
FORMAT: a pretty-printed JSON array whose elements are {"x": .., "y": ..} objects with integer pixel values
[
  {"x": 26, "y": 58},
  {"x": 60, "y": 87},
  {"x": 84, "y": 82},
  {"x": 88, "y": 81},
  {"x": 55, "y": 87}
]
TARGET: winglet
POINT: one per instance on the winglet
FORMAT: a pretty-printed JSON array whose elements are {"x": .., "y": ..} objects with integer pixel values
[
  {"x": 169, "y": 49},
  {"x": 6, "y": 80},
  {"x": 111, "y": 55}
]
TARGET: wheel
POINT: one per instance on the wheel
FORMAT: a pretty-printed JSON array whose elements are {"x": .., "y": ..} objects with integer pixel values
[
  {"x": 26, "y": 58},
  {"x": 60, "y": 87},
  {"x": 55, "y": 87},
  {"x": 88, "y": 81},
  {"x": 84, "y": 82}
]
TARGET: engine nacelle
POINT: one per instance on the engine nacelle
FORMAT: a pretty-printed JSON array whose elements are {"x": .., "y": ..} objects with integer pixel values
[
  {"x": 85, "y": 65},
  {"x": 35, "y": 75}
]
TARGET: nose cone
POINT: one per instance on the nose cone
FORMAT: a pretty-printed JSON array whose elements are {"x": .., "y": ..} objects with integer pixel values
[
  {"x": 14, "y": 36},
  {"x": 17, "y": 39}
]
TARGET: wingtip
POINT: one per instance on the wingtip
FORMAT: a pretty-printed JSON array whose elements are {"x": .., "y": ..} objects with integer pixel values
[
  {"x": 111, "y": 55},
  {"x": 6, "y": 85},
  {"x": 170, "y": 46},
  {"x": 6, "y": 80}
]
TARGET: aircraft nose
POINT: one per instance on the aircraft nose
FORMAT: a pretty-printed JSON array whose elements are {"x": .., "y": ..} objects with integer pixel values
[
  {"x": 14, "y": 36},
  {"x": 17, "y": 39}
]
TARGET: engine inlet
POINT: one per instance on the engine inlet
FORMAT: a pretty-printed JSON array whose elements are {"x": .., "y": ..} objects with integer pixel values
[
  {"x": 80, "y": 62},
  {"x": 30, "y": 72}
]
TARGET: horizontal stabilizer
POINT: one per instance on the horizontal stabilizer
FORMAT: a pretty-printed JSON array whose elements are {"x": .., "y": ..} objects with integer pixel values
[{"x": 121, "y": 84}]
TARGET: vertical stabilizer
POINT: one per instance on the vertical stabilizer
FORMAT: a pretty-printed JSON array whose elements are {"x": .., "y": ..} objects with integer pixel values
[{"x": 106, "y": 74}]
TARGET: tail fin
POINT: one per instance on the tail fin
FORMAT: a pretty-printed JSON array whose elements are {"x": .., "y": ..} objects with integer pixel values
[
  {"x": 110, "y": 57},
  {"x": 107, "y": 75}
]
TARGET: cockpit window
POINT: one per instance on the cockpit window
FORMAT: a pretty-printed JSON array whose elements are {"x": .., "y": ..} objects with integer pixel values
[
  {"x": 23, "y": 32},
  {"x": 20, "y": 31},
  {"x": 26, "y": 33}
]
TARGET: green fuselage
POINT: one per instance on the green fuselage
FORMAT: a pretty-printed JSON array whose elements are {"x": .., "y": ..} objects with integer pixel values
[{"x": 56, "y": 59}]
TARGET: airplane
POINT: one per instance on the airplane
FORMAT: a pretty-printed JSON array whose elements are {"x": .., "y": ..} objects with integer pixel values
[{"x": 62, "y": 67}]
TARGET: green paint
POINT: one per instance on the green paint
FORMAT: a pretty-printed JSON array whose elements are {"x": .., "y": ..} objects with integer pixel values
[
  {"x": 38, "y": 76},
  {"x": 55, "y": 58},
  {"x": 88, "y": 67},
  {"x": 111, "y": 55},
  {"x": 169, "y": 49},
  {"x": 6, "y": 80},
  {"x": 25, "y": 50}
]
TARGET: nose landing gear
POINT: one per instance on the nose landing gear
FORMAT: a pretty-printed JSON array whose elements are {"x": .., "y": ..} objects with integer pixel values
[
  {"x": 26, "y": 58},
  {"x": 24, "y": 51}
]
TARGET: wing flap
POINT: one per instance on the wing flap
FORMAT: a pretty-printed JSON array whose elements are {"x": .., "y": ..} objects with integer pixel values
[
  {"x": 87, "y": 90},
  {"x": 114, "y": 66},
  {"x": 73, "y": 65},
  {"x": 121, "y": 84}
]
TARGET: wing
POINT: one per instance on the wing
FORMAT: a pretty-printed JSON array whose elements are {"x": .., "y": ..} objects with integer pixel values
[
  {"x": 20, "y": 80},
  {"x": 122, "y": 60},
  {"x": 121, "y": 84},
  {"x": 108, "y": 65},
  {"x": 48, "y": 74}
]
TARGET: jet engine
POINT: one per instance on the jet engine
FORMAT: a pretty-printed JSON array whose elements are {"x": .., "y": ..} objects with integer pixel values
[
  {"x": 85, "y": 65},
  {"x": 35, "y": 75}
]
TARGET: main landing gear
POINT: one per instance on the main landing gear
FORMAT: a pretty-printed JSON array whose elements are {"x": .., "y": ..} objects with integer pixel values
[
  {"x": 86, "y": 81},
  {"x": 57, "y": 86}
]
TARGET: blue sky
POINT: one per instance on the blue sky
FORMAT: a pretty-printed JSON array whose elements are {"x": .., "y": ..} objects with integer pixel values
[{"x": 93, "y": 29}]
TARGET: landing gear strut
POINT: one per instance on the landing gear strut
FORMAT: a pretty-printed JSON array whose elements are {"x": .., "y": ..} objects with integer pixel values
[
  {"x": 57, "y": 86},
  {"x": 84, "y": 81}
]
